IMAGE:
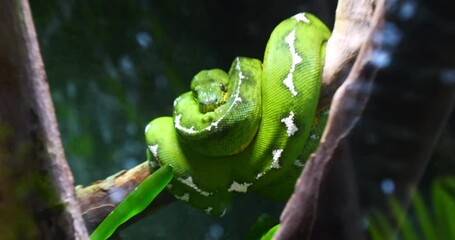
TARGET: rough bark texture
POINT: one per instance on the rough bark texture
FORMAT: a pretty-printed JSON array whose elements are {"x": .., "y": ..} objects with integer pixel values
[
  {"x": 351, "y": 27},
  {"x": 37, "y": 199}
]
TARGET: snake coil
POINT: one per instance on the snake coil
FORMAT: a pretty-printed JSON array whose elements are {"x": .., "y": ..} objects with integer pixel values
[{"x": 249, "y": 129}]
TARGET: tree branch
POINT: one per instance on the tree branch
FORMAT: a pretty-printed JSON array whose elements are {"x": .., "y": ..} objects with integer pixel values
[{"x": 351, "y": 28}]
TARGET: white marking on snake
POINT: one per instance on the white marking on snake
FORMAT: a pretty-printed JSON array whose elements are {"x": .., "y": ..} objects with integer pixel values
[
  {"x": 261, "y": 174},
  {"x": 185, "y": 197},
  {"x": 154, "y": 163},
  {"x": 237, "y": 65},
  {"x": 239, "y": 187},
  {"x": 189, "y": 182},
  {"x": 241, "y": 73},
  {"x": 276, "y": 158},
  {"x": 208, "y": 210},
  {"x": 296, "y": 59},
  {"x": 176, "y": 101},
  {"x": 302, "y": 18},
  {"x": 154, "y": 150},
  {"x": 147, "y": 128},
  {"x": 299, "y": 163},
  {"x": 237, "y": 98},
  {"x": 289, "y": 122},
  {"x": 314, "y": 136},
  {"x": 177, "y": 124}
]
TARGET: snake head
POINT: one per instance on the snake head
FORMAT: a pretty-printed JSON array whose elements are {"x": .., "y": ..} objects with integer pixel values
[{"x": 210, "y": 89}]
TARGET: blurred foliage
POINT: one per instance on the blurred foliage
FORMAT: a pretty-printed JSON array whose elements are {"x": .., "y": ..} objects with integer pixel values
[{"x": 427, "y": 219}]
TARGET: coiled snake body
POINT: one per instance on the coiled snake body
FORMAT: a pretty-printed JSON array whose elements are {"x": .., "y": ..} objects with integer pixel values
[{"x": 249, "y": 129}]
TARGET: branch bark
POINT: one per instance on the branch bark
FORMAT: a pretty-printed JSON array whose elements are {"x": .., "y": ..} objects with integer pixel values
[
  {"x": 37, "y": 197},
  {"x": 351, "y": 28}
]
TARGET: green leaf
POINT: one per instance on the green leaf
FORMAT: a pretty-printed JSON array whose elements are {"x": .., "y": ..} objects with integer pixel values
[
  {"x": 400, "y": 215},
  {"x": 262, "y": 225},
  {"x": 444, "y": 207},
  {"x": 270, "y": 233},
  {"x": 423, "y": 217},
  {"x": 379, "y": 226},
  {"x": 435, "y": 225}
]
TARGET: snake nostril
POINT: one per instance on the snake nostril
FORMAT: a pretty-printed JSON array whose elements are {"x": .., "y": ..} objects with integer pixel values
[{"x": 222, "y": 87}]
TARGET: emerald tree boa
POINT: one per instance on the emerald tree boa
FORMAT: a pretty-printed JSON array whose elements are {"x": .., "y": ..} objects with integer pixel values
[{"x": 250, "y": 129}]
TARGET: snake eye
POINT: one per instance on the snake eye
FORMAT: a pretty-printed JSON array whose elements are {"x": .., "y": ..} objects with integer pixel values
[{"x": 222, "y": 87}]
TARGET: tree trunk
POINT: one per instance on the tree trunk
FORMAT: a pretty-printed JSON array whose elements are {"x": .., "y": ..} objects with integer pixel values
[{"x": 37, "y": 199}]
